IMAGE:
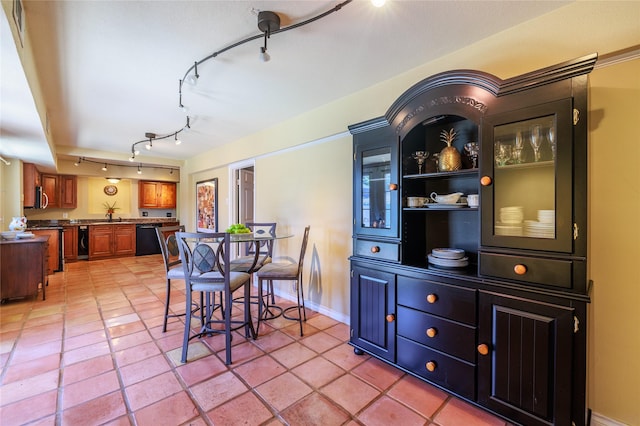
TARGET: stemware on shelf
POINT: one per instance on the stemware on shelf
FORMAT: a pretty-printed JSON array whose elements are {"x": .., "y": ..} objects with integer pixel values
[
  {"x": 420, "y": 157},
  {"x": 472, "y": 152},
  {"x": 518, "y": 147},
  {"x": 552, "y": 140},
  {"x": 536, "y": 140}
]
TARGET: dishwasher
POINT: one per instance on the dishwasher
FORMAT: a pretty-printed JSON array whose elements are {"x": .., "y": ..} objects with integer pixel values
[{"x": 146, "y": 239}]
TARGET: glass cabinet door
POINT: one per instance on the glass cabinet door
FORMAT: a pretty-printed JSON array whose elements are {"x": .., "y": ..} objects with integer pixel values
[
  {"x": 376, "y": 189},
  {"x": 526, "y": 178}
]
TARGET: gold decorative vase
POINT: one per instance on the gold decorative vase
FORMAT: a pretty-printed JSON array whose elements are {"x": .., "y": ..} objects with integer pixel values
[{"x": 449, "y": 158}]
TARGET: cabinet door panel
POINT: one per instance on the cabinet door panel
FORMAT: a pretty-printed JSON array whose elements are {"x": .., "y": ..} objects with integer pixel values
[
  {"x": 68, "y": 197},
  {"x": 50, "y": 187},
  {"x": 373, "y": 324},
  {"x": 124, "y": 239},
  {"x": 167, "y": 196},
  {"x": 70, "y": 240},
  {"x": 527, "y": 373}
]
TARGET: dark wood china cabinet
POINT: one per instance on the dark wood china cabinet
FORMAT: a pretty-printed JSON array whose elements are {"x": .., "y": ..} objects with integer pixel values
[{"x": 501, "y": 323}]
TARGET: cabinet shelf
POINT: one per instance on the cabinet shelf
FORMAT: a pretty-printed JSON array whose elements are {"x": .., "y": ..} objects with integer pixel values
[
  {"x": 526, "y": 165},
  {"x": 442, "y": 174}
]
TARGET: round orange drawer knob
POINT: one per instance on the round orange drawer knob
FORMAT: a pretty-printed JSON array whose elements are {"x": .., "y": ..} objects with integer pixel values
[
  {"x": 432, "y": 332},
  {"x": 393, "y": 186},
  {"x": 485, "y": 180},
  {"x": 375, "y": 249},
  {"x": 432, "y": 298},
  {"x": 390, "y": 318},
  {"x": 431, "y": 366},
  {"x": 483, "y": 349},
  {"x": 520, "y": 269}
]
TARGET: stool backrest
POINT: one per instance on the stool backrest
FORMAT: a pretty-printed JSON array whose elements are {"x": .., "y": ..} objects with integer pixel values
[{"x": 169, "y": 245}]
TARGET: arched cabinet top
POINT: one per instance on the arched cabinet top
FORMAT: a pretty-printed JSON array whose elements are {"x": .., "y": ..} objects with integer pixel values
[{"x": 470, "y": 93}]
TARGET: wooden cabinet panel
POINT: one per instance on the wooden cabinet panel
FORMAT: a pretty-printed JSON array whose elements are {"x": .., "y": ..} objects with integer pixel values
[
  {"x": 23, "y": 267},
  {"x": 156, "y": 195},
  {"x": 70, "y": 241},
  {"x": 526, "y": 374},
  {"x": 111, "y": 240},
  {"x": 50, "y": 187},
  {"x": 53, "y": 251},
  {"x": 68, "y": 191},
  {"x": 167, "y": 196},
  {"x": 124, "y": 240},
  {"x": 30, "y": 179},
  {"x": 373, "y": 324}
]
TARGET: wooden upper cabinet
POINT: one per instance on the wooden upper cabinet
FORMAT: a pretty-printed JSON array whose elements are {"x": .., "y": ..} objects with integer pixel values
[
  {"x": 68, "y": 191},
  {"x": 30, "y": 179},
  {"x": 50, "y": 187},
  {"x": 156, "y": 195}
]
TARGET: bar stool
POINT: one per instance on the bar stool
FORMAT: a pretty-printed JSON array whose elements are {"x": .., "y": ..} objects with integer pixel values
[{"x": 284, "y": 272}]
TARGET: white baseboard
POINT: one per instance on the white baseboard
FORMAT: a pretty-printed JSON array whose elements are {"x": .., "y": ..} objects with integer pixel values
[
  {"x": 338, "y": 316},
  {"x": 600, "y": 420}
]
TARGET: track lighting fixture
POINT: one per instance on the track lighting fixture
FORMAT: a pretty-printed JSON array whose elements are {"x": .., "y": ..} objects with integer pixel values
[
  {"x": 149, "y": 145},
  {"x": 193, "y": 78},
  {"x": 77, "y": 163},
  {"x": 105, "y": 166},
  {"x": 268, "y": 24},
  {"x": 150, "y": 137},
  {"x": 8, "y": 163}
]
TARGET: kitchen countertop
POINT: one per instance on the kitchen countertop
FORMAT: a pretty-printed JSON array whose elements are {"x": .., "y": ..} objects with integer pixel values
[{"x": 58, "y": 224}]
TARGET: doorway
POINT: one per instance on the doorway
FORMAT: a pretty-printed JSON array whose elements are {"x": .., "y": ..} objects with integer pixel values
[{"x": 242, "y": 190}]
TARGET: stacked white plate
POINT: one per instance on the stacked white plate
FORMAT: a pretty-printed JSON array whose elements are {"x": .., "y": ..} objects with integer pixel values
[
  {"x": 508, "y": 229},
  {"x": 547, "y": 216},
  {"x": 537, "y": 229},
  {"x": 511, "y": 215},
  {"x": 448, "y": 258}
]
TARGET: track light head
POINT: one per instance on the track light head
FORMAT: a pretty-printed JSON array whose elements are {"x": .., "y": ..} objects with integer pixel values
[
  {"x": 178, "y": 141},
  {"x": 139, "y": 170},
  {"x": 104, "y": 168}
]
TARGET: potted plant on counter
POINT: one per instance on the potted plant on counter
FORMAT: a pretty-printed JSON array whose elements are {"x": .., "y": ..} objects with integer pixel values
[{"x": 111, "y": 209}]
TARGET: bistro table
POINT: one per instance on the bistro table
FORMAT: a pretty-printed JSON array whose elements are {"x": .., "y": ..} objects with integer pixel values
[{"x": 268, "y": 311}]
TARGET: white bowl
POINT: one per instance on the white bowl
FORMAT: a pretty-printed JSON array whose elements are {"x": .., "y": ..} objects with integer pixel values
[{"x": 10, "y": 235}]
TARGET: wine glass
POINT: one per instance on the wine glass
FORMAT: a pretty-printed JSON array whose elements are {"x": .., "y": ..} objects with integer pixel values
[
  {"x": 518, "y": 147},
  {"x": 536, "y": 140},
  {"x": 472, "y": 152},
  {"x": 420, "y": 156},
  {"x": 502, "y": 153},
  {"x": 552, "y": 140}
]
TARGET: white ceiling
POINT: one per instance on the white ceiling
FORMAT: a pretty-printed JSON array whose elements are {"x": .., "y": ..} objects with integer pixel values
[{"x": 109, "y": 70}]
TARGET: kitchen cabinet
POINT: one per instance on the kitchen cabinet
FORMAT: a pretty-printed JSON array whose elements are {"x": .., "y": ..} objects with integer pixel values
[
  {"x": 23, "y": 267},
  {"x": 156, "y": 195},
  {"x": 504, "y": 327},
  {"x": 68, "y": 192},
  {"x": 30, "y": 179},
  {"x": 112, "y": 240},
  {"x": 50, "y": 187},
  {"x": 70, "y": 242},
  {"x": 60, "y": 190},
  {"x": 54, "y": 260}
]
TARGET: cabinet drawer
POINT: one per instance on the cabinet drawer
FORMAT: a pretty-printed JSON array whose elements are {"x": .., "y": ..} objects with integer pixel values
[
  {"x": 453, "y": 338},
  {"x": 453, "y": 374},
  {"x": 553, "y": 272},
  {"x": 377, "y": 250},
  {"x": 456, "y": 303}
]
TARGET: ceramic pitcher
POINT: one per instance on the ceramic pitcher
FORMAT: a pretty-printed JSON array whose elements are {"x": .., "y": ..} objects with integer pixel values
[{"x": 18, "y": 224}]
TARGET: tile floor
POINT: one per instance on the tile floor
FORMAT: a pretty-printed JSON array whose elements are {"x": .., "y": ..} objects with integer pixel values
[{"x": 94, "y": 353}]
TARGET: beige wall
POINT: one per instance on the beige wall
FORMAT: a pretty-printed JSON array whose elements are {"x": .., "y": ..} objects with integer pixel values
[
  {"x": 614, "y": 242},
  {"x": 312, "y": 185}
]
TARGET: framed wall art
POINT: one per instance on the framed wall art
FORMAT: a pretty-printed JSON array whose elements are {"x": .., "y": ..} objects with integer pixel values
[{"x": 207, "y": 205}]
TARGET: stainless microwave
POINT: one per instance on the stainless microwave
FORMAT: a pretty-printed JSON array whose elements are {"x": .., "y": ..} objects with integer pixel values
[{"x": 42, "y": 201}]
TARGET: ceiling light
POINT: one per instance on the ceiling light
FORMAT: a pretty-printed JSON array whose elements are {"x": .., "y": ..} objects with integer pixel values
[
  {"x": 113, "y": 180},
  {"x": 378, "y": 3},
  {"x": 104, "y": 168},
  {"x": 77, "y": 163},
  {"x": 139, "y": 170},
  {"x": 6, "y": 162},
  {"x": 178, "y": 141},
  {"x": 149, "y": 145},
  {"x": 193, "y": 78},
  {"x": 267, "y": 22}
]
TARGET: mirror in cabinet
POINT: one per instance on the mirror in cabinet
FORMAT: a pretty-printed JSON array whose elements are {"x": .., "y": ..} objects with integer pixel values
[
  {"x": 443, "y": 224},
  {"x": 527, "y": 179}
]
